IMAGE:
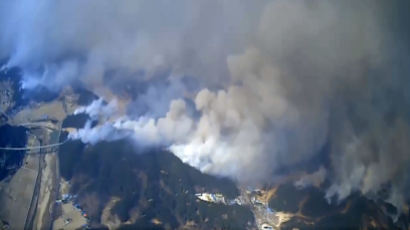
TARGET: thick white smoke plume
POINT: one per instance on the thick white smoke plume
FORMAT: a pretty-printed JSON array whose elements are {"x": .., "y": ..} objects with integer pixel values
[{"x": 244, "y": 89}]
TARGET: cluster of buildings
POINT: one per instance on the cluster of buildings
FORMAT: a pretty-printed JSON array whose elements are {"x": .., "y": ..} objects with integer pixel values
[
  {"x": 219, "y": 198},
  {"x": 66, "y": 198},
  {"x": 211, "y": 197},
  {"x": 263, "y": 214}
]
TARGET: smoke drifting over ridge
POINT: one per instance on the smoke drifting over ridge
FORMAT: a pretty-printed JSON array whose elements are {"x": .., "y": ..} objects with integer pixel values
[{"x": 252, "y": 89}]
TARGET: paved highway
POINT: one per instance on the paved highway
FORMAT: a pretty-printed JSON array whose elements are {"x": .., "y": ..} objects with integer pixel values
[{"x": 33, "y": 147}]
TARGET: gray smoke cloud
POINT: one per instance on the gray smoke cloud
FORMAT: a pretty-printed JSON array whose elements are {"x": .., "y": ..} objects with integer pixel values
[
  {"x": 270, "y": 83},
  {"x": 57, "y": 42}
]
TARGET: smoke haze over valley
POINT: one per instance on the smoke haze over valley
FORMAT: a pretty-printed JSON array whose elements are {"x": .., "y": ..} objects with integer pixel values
[{"x": 249, "y": 90}]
